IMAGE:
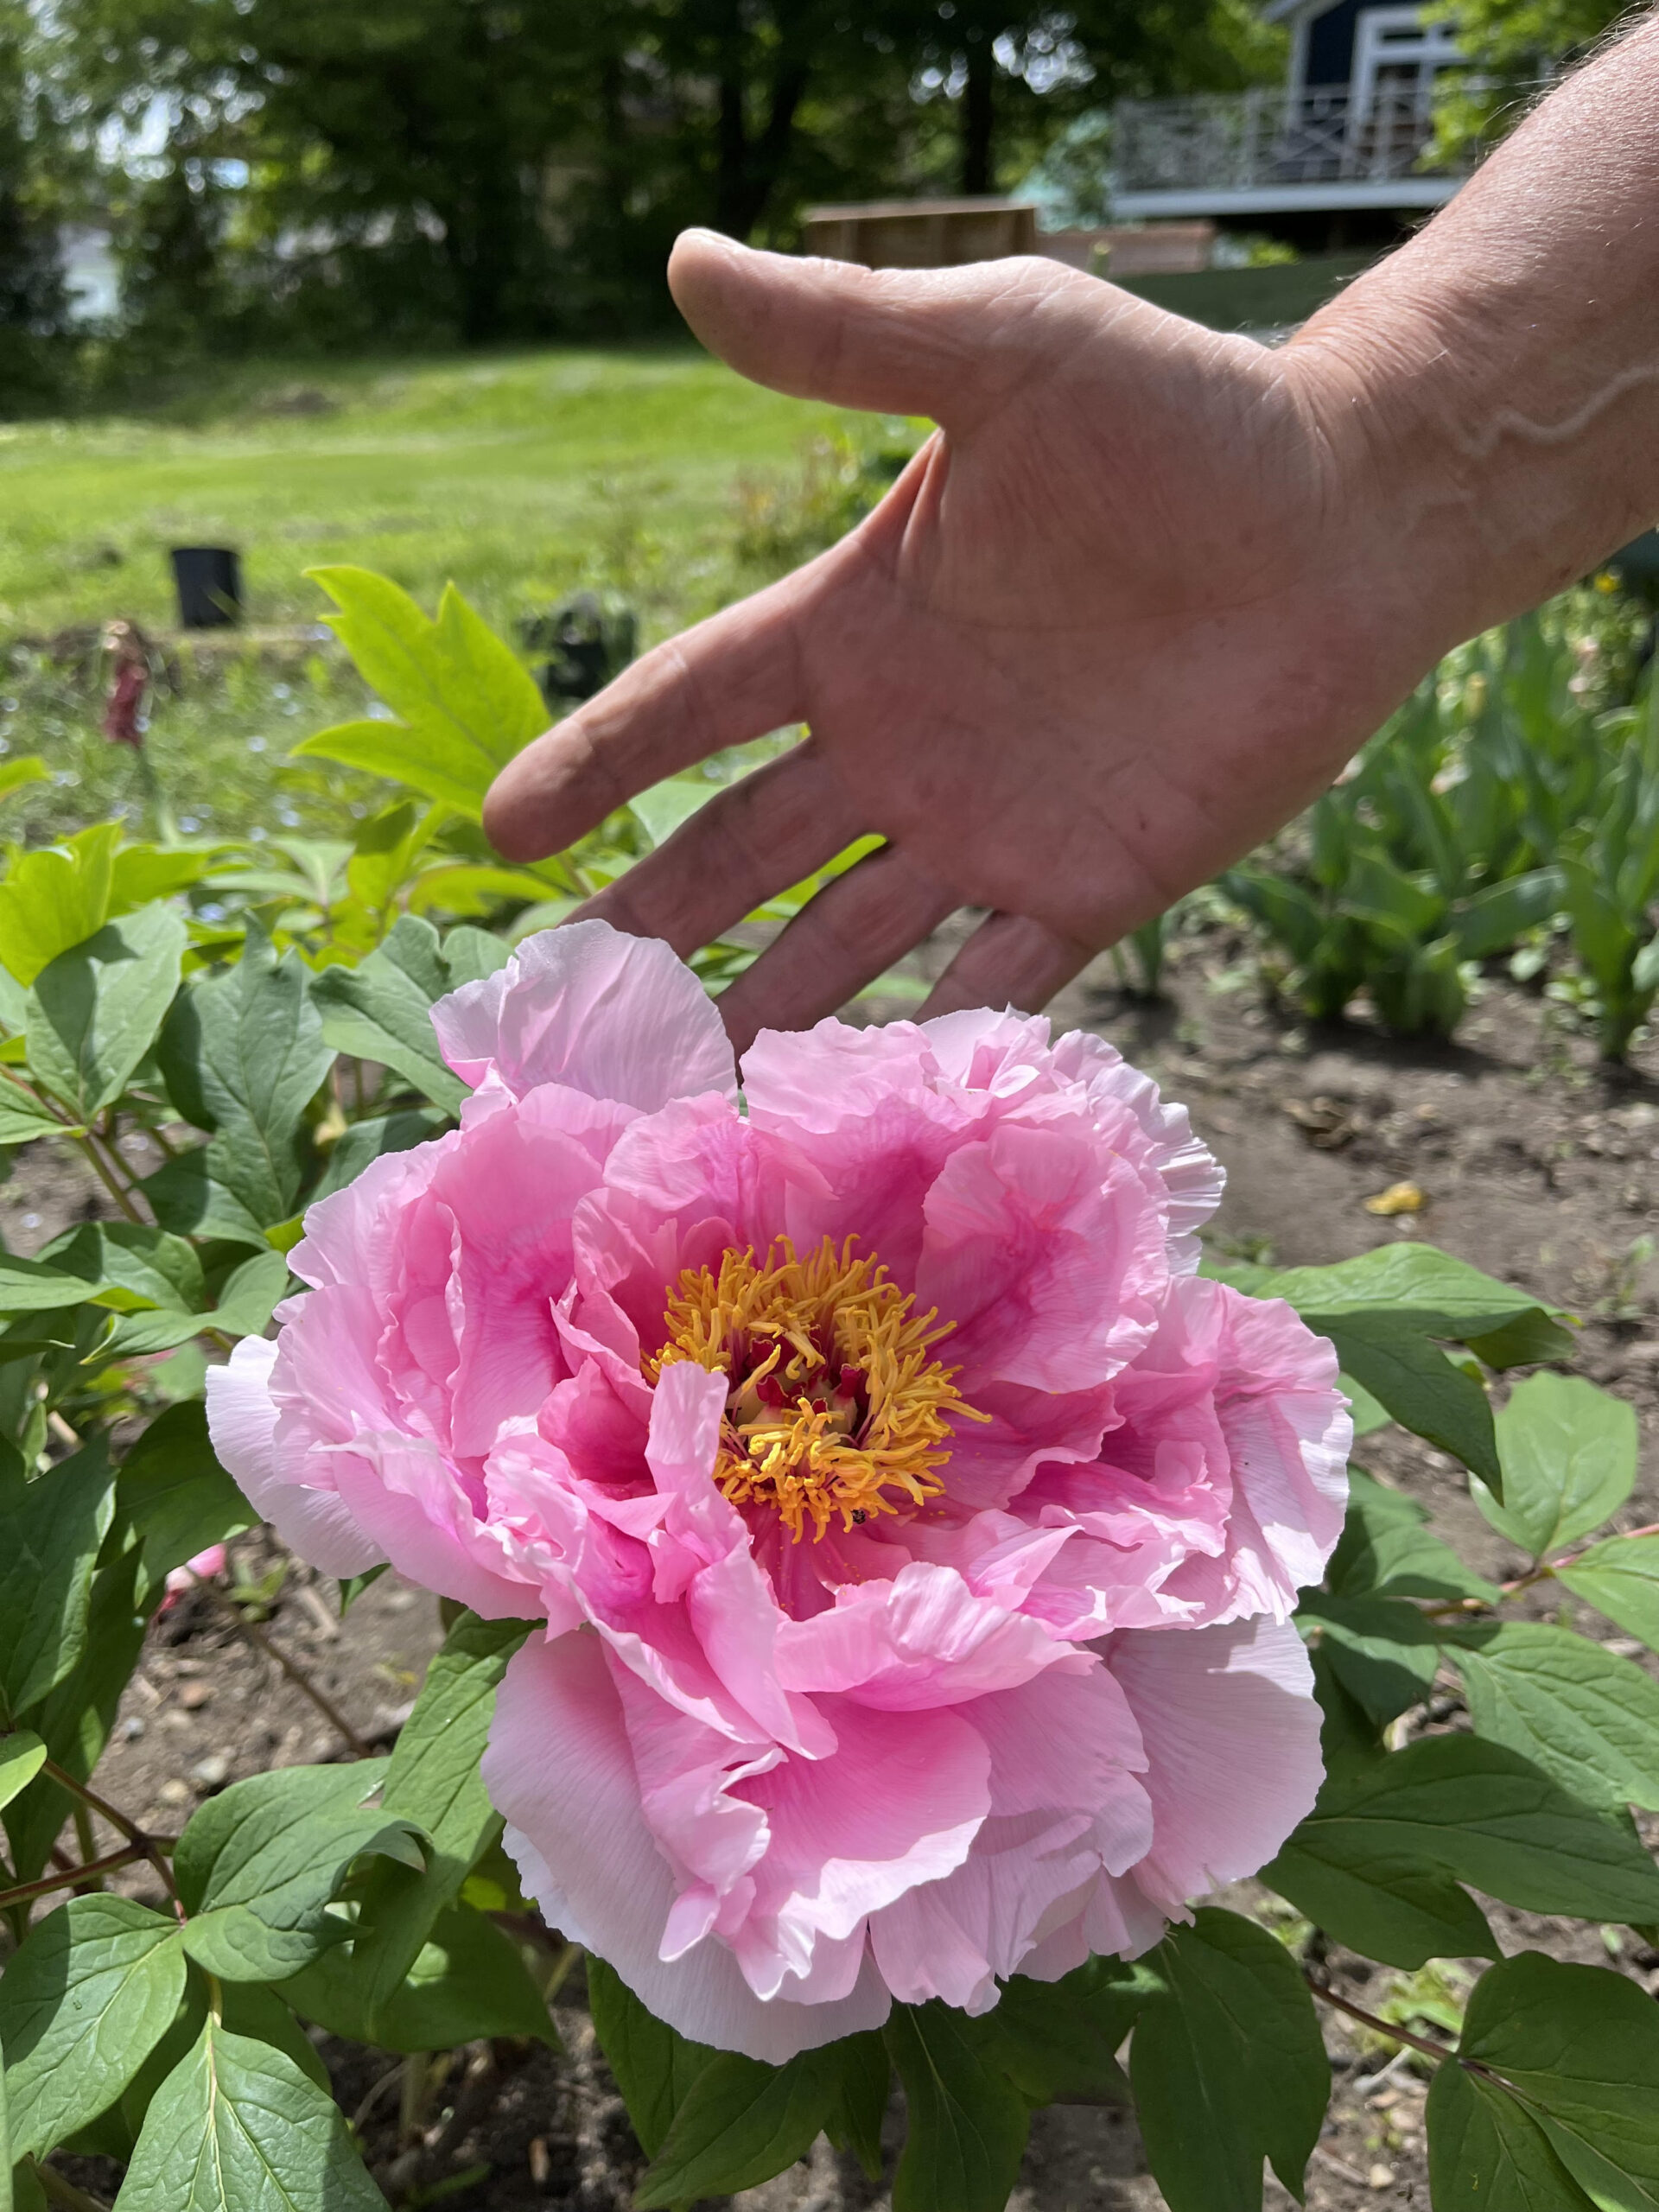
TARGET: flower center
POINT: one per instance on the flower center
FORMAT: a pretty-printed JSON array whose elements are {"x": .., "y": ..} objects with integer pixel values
[{"x": 833, "y": 1405}]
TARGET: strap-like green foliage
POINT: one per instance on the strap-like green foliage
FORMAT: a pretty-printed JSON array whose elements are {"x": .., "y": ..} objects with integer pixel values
[
  {"x": 287, "y": 1032},
  {"x": 1497, "y": 813}
]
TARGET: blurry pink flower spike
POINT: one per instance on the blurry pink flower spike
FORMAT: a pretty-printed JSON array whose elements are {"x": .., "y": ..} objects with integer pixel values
[
  {"x": 916, "y": 1531},
  {"x": 201, "y": 1568},
  {"x": 124, "y": 718}
]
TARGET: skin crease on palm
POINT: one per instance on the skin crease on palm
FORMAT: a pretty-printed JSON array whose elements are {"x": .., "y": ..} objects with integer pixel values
[{"x": 1145, "y": 590}]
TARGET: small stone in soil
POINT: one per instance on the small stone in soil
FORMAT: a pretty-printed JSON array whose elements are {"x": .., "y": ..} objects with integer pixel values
[
  {"x": 1380, "y": 2177},
  {"x": 211, "y": 1773},
  {"x": 174, "y": 1792},
  {"x": 194, "y": 1695}
]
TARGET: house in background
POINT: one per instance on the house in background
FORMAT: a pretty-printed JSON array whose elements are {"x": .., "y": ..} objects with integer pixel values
[{"x": 1337, "y": 156}]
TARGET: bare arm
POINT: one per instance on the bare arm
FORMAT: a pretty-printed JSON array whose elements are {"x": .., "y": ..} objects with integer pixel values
[
  {"x": 1506, "y": 362},
  {"x": 1147, "y": 589}
]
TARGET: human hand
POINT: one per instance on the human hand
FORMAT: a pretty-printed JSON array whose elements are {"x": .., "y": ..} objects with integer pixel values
[{"x": 1131, "y": 607}]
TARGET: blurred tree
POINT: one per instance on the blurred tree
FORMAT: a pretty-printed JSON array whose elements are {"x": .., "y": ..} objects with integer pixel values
[
  {"x": 516, "y": 166},
  {"x": 1515, "y": 46},
  {"x": 33, "y": 303}
]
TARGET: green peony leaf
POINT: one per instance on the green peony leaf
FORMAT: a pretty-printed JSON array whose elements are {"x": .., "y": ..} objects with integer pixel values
[
  {"x": 1396, "y": 1910},
  {"x": 243, "y": 1055},
  {"x": 1620, "y": 1578},
  {"x": 1568, "y": 1454},
  {"x": 1485, "y": 2149},
  {"x": 258, "y": 1866},
  {"x": 381, "y": 1010},
  {"x": 1227, "y": 2065},
  {"x": 74, "y": 1719},
  {"x": 467, "y": 1981},
  {"x": 175, "y": 1494},
  {"x": 50, "y": 1532},
  {"x": 1381, "y": 1650},
  {"x": 1587, "y": 1717},
  {"x": 22, "y": 1756},
  {"x": 94, "y": 1010},
  {"x": 968, "y": 2122},
  {"x": 55, "y": 898},
  {"x": 1578, "y": 2046},
  {"x": 741, "y": 2123},
  {"x": 95, "y": 1984},
  {"x": 1387, "y": 1550},
  {"x": 1061, "y": 2039},
  {"x": 655, "y": 2066},
  {"x": 1394, "y": 1356},
  {"x": 464, "y": 702},
  {"x": 433, "y": 1779},
  {"x": 1486, "y": 1816},
  {"x": 238, "y": 2127},
  {"x": 24, "y": 1118}
]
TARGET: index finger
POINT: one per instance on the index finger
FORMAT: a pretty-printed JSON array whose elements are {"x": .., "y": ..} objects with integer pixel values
[{"x": 733, "y": 677}]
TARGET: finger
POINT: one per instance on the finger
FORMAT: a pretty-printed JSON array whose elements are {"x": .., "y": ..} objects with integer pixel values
[
  {"x": 842, "y": 939},
  {"x": 733, "y": 677},
  {"x": 766, "y": 832},
  {"x": 1008, "y": 961},
  {"x": 906, "y": 341}
]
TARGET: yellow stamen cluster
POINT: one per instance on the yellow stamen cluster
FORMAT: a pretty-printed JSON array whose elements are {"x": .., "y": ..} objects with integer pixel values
[{"x": 834, "y": 1406}]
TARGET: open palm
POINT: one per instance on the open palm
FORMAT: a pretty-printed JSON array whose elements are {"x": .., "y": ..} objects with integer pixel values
[{"x": 1126, "y": 611}]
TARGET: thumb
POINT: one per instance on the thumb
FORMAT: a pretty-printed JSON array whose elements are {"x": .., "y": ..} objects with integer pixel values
[{"x": 939, "y": 342}]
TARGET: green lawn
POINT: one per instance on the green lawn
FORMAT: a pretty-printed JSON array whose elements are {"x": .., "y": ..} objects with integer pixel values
[
  {"x": 515, "y": 474},
  {"x": 521, "y": 476}
]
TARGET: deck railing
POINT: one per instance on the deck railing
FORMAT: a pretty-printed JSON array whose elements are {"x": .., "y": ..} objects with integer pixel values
[{"x": 1267, "y": 137}]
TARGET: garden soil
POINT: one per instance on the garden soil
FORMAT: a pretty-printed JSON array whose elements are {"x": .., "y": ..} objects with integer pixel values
[{"x": 1530, "y": 1159}]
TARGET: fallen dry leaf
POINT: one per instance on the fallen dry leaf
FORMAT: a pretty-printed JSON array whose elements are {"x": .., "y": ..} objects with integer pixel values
[{"x": 1325, "y": 1123}]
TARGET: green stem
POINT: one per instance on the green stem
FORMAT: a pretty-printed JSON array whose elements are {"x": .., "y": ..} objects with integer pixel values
[
  {"x": 90, "y": 1148},
  {"x": 86, "y": 1842},
  {"x": 53, "y": 2185}
]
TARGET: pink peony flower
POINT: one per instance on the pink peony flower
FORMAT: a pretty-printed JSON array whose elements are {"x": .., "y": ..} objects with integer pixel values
[
  {"x": 202, "y": 1568},
  {"x": 915, "y": 1531}
]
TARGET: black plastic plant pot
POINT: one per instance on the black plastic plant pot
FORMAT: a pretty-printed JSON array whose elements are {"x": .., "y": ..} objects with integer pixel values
[{"x": 209, "y": 583}]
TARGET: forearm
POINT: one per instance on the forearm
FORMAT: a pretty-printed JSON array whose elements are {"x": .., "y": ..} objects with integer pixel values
[{"x": 1495, "y": 384}]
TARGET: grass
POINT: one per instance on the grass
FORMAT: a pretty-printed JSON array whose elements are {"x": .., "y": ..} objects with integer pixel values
[
  {"x": 516, "y": 474},
  {"x": 521, "y": 476}
]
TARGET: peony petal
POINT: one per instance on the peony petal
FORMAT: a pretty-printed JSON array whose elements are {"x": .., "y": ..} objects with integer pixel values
[
  {"x": 1047, "y": 1256},
  {"x": 315, "y": 1523},
  {"x": 898, "y": 1804},
  {"x": 920, "y": 1642},
  {"x": 618, "y": 1017},
  {"x": 1232, "y": 1737},
  {"x": 1191, "y": 1175},
  {"x": 560, "y": 1767},
  {"x": 402, "y": 1495}
]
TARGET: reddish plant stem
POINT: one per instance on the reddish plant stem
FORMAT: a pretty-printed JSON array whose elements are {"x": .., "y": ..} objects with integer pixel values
[
  {"x": 1545, "y": 1570},
  {"x": 70, "y": 1878},
  {"x": 1436, "y": 2051},
  {"x": 149, "y": 1846}
]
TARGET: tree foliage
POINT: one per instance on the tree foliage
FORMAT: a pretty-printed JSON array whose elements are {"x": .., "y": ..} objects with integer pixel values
[{"x": 497, "y": 167}]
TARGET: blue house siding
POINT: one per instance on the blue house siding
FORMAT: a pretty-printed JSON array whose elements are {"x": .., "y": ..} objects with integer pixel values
[{"x": 1331, "y": 43}]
